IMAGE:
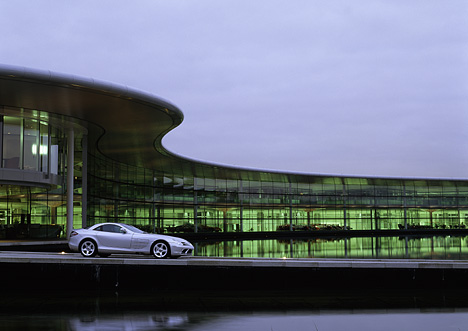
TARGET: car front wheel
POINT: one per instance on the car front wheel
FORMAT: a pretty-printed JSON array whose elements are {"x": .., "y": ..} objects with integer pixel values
[
  {"x": 161, "y": 250},
  {"x": 88, "y": 248}
]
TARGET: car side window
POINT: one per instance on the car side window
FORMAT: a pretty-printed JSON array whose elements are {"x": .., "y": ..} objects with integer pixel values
[{"x": 111, "y": 228}]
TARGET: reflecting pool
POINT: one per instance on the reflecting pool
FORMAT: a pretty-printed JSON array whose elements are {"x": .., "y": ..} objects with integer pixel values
[
  {"x": 315, "y": 309},
  {"x": 402, "y": 320},
  {"x": 235, "y": 310},
  {"x": 408, "y": 247}
]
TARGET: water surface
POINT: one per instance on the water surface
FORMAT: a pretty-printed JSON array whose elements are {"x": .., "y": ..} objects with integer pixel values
[{"x": 435, "y": 247}]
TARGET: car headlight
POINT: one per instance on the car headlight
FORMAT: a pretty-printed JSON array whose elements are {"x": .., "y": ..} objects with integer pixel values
[
  {"x": 179, "y": 242},
  {"x": 183, "y": 243}
]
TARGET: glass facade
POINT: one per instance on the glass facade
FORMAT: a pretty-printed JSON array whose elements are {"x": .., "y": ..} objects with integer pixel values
[
  {"x": 204, "y": 198},
  {"x": 168, "y": 202},
  {"x": 122, "y": 173},
  {"x": 33, "y": 170}
]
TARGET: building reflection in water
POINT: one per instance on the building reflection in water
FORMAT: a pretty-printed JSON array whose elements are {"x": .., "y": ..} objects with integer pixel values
[
  {"x": 353, "y": 320},
  {"x": 448, "y": 247}
]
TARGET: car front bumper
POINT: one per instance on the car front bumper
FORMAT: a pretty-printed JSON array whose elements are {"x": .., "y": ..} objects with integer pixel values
[{"x": 181, "y": 250}]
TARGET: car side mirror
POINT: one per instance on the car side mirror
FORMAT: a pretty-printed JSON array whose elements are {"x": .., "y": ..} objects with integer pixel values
[{"x": 123, "y": 231}]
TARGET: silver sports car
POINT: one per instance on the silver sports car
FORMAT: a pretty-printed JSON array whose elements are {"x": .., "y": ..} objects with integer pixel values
[{"x": 105, "y": 239}]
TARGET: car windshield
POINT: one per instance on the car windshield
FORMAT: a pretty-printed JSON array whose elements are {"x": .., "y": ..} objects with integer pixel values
[{"x": 132, "y": 228}]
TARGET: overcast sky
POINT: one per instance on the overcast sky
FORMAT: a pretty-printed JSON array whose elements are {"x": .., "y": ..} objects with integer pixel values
[{"x": 333, "y": 86}]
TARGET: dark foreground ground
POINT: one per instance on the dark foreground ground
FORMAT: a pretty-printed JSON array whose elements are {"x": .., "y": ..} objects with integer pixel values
[{"x": 71, "y": 271}]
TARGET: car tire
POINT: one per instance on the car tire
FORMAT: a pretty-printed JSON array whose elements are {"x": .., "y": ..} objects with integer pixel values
[
  {"x": 88, "y": 248},
  {"x": 161, "y": 250}
]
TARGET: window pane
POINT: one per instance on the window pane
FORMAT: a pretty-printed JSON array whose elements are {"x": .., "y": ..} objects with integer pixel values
[
  {"x": 11, "y": 142},
  {"x": 31, "y": 145},
  {"x": 44, "y": 147}
]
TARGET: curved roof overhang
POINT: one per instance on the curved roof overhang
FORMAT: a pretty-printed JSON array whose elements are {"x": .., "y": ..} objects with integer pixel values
[{"x": 132, "y": 120}]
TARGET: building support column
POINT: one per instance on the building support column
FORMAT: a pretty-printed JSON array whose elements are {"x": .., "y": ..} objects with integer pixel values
[
  {"x": 195, "y": 206},
  {"x": 70, "y": 179},
  {"x": 291, "y": 228},
  {"x": 195, "y": 212},
  {"x": 153, "y": 206},
  {"x": 345, "y": 220},
  {"x": 405, "y": 207},
  {"x": 241, "y": 216},
  {"x": 84, "y": 183},
  {"x": 159, "y": 222},
  {"x": 116, "y": 190}
]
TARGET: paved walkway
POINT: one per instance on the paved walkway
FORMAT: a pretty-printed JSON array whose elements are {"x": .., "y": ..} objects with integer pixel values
[
  {"x": 11, "y": 243},
  {"x": 120, "y": 259}
]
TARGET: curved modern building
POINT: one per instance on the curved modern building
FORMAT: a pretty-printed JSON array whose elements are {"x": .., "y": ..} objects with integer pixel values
[{"x": 77, "y": 151}]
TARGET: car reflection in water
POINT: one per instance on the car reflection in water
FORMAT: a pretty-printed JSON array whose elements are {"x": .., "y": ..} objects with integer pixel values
[{"x": 128, "y": 322}]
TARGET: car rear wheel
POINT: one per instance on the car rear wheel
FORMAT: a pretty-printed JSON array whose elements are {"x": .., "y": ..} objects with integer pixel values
[
  {"x": 88, "y": 248},
  {"x": 161, "y": 250}
]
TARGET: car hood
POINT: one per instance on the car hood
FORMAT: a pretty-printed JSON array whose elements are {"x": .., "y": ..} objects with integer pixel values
[{"x": 168, "y": 238}]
